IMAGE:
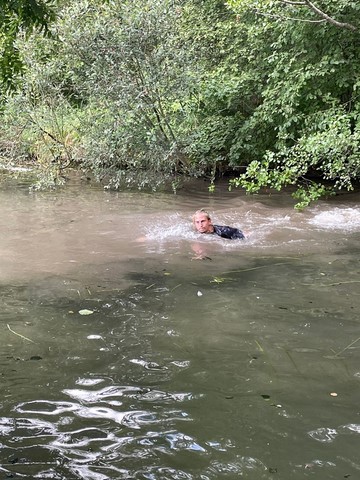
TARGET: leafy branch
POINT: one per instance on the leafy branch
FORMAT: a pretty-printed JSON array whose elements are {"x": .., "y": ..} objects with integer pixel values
[{"x": 16, "y": 18}]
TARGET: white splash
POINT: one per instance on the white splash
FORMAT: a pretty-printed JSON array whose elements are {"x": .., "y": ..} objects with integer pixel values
[{"x": 345, "y": 219}]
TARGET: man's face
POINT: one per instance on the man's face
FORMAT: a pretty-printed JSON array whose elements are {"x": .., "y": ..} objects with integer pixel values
[{"x": 203, "y": 223}]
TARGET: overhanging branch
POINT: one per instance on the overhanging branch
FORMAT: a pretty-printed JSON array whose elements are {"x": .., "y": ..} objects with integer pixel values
[
  {"x": 328, "y": 18},
  {"x": 283, "y": 17},
  {"x": 323, "y": 15}
]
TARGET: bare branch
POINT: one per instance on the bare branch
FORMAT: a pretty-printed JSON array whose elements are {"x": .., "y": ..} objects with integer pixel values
[
  {"x": 322, "y": 14},
  {"x": 325, "y": 16},
  {"x": 292, "y": 3},
  {"x": 282, "y": 17}
]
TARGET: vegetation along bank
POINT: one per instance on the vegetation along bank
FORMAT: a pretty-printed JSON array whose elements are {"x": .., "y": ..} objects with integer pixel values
[{"x": 147, "y": 92}]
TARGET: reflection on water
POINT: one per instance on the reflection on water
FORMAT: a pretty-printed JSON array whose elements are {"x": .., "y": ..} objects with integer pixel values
[{"x": 243, "y": 365}]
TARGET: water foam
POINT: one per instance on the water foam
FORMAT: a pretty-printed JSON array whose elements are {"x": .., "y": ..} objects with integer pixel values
[
  {"x": 345, "y": 219},
  {"x": 169, "y": 228}
]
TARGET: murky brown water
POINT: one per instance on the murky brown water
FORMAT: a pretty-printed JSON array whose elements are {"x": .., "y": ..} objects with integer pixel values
[{"x": 243, "y": 365}]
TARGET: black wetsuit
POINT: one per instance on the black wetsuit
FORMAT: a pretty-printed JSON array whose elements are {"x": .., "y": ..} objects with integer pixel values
[{"x": 228, "y": 232}]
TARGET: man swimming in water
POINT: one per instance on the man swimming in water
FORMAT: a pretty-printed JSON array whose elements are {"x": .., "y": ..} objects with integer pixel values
[{"x": 203, "y": 224}]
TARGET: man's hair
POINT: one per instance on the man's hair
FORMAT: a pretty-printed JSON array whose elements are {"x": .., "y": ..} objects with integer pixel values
[{"x": 203, "y": 212}]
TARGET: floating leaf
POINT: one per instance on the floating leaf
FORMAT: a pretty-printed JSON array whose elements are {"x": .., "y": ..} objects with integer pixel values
[
  {"x": 85, "y": 312},
  {"x": 218, "y": 280}
]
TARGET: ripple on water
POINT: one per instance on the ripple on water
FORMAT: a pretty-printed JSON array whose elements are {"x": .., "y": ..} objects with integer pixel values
[
  {"x": 7, "y": 426},
  {"x": 165, "y": 473},
  {"x": 105, "y": 393},
  {"x": 89, "y": 381},
  {"x": 328, "y": 435},
  {"x": 238, "y": 467},
  {"x": 83, "y": 437},
  {"x": 45, "y": 407},
  {"x": 324, "y": 434},
  {"x": 92, "y": 452},
  {"x": 99, "y": 433},
  {"x": 34, "y": 426},
  {"x": 352, "y": 428},
  {"x": 112, "y": 393}
]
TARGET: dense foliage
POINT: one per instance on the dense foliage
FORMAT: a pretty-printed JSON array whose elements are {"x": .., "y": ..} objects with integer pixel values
[
  {"x": 309, "y": 109},
  {"x": 145, "y": 91},
  {"x": 19, "y": 17}
]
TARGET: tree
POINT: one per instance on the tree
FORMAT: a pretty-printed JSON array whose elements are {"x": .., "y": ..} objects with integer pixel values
[
  {"x": 309, "y": 110},
  {"x": 131, "y": 64},
  {"x": 19, "y": 17},
  {"x": 149, "y": 89},
  {"x": 297, "y": 10}
]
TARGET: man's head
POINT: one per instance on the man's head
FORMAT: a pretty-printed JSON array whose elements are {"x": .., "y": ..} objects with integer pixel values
[{"x": 202, "y": 222}]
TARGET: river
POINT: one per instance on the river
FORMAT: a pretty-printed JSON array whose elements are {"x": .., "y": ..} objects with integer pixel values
[{"x": 124, "y": 356}]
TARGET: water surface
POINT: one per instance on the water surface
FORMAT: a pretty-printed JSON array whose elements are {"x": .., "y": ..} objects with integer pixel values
[{"x": 245, "y": 364}]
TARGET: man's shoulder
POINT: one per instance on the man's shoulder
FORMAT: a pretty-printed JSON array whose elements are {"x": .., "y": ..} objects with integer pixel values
[{"x": 228, "y": 232}]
